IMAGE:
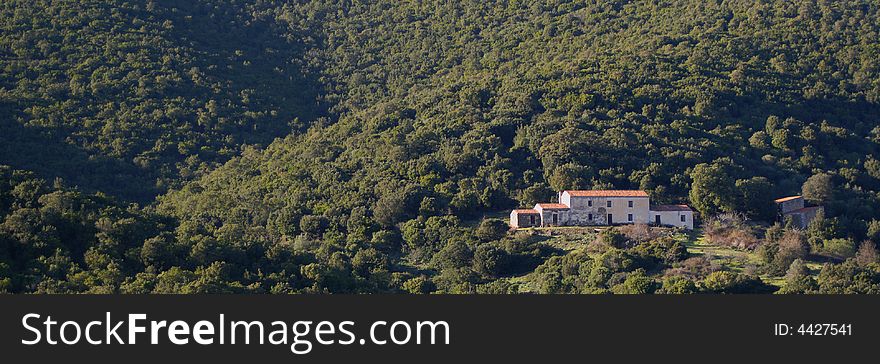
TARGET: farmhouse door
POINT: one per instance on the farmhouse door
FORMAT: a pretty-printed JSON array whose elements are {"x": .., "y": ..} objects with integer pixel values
[
  {"x": 610, "y": 219},
  {"x": 657, "y": 219}
]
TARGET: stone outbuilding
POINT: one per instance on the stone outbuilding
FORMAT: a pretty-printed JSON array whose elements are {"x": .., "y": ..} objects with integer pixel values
[
  {"x": 794, "y": 209},
  {"x": 523, "y": 218}
]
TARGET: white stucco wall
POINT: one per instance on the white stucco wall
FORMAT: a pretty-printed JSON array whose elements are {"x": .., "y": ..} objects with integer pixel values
[{"x": 673, "y": 218}]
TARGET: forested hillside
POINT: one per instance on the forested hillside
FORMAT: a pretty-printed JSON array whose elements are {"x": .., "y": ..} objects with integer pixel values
[
  {"x": 339, "y": 146},
  {"x": 131, "y": 97}
]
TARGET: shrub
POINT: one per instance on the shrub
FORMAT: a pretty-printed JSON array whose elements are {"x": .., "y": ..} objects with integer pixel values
[
  {"x": 798, "y": 279},
  {"x": 419, "y": 285},
  {"x": 840, "y": 248},
  {"x": 313, "y": 224},
  {"x": 492, "y": 229},
  {"x": 661, "y": 251},
  {"x": 730, "y": 229},
  {"x": 612, "y": 238},
  {"x": 848, "y": 278},
  {"x": 636, "y": 283},
  {"x": 731, "y": 282},
  {"x": 638, "y": 232},
  {"x": 490, "y": 260},
  {"x": 692, "y": 268},
  {"x": 778, "y": 255},
  {"x": 677, "y": 285},
  {"x": 867, "y": 253}
]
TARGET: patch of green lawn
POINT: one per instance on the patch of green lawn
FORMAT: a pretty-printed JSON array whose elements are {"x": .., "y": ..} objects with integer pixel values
[{"x": 734, "y": 259}]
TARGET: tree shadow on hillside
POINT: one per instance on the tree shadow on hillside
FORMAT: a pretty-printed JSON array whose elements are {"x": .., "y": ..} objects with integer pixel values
[
  {"x": 250, "y": 60},
  {"x": 50, "y": 157},
  {"x": 751, "y": 113},
  {"x": 858, "y": 116},
  {"x": 256, "y": 58}
]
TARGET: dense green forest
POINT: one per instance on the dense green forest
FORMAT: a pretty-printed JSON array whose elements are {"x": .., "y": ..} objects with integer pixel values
[{"x": 370, "y": 146}]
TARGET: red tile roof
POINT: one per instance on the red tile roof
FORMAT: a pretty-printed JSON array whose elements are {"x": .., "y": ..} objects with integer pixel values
[
  {"x": 552, "y": 206},
  {"x": 671, "y": 208},
  {"x": 607, "y": 193},
  {"x": 784, "y": 199},
  {"x": 526, "y": 211}
]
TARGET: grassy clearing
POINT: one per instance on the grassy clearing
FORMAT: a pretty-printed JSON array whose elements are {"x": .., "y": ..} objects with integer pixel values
[
  {"x": 737, "y": 260},
  {"x": 567, "y": 238},
  {"x": 734, "y": 259},
  {"x": 572, "y": 238}
]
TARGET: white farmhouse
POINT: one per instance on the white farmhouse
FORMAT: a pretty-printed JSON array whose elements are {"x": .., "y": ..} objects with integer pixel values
[{"x": 602, "y": 207}]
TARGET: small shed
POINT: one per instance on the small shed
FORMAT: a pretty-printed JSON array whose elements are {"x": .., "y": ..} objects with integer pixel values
[
  {"x": 522, "y": 218},
  {"x": 789, "y": 204},
  {"x": 793, "y": 208}
]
